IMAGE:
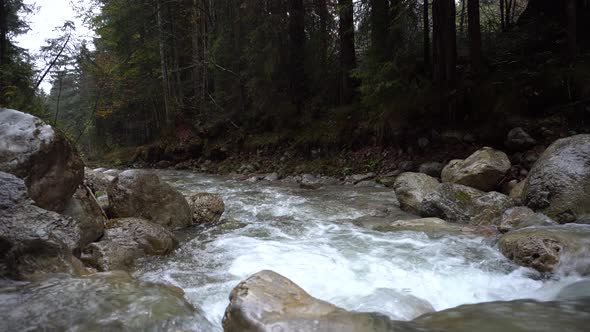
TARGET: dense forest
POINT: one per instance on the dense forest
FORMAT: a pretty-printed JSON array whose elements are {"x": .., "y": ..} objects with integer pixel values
[{"x": 252, "y": 75}]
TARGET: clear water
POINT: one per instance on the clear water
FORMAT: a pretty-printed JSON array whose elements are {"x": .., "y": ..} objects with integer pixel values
[{"x": 307, "y": 236}]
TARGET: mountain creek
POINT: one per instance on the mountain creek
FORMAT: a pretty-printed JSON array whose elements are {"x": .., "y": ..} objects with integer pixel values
[{"x": 310, "y": 237}]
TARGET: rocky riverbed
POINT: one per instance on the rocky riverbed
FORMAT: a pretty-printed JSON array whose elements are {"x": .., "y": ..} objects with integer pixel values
[{"x": 163, "y": 250}]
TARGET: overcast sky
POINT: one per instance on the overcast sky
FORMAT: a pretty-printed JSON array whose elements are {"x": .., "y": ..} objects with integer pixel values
[{"x": 51, "y": 14}]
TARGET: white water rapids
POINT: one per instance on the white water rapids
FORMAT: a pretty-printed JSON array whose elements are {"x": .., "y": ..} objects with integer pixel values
[{"x": 307, "y": 236}]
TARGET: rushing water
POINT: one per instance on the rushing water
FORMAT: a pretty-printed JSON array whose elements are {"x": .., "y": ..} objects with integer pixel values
[{"x": 307, "y": 236}]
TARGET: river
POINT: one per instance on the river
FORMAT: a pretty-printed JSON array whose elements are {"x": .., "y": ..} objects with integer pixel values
[{"x": 308, "y": 237}]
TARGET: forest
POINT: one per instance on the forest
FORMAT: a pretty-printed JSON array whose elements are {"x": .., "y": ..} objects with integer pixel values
[
  {"x": 228, "y": 77},
  {"x": 295, "y": 165}
]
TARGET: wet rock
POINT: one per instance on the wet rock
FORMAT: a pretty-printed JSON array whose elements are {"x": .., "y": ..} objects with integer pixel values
[
  {"x": 136, "y": 193},
  {"x": 32, "y": 150},
  {"x": 513, "y": 316},
  {"x": 34, "y": 241},
  {"x": 254, "y": 179},
  {"x": 268, "y": 301},
  {"x": 519, "y": 140},
  {"x": 394, "y": 303},
  {"x": 206, "y": 208},
  {"x": 548, "y": 248},
  {"x": 125, "y": 240},
  {"x": 101, "y": 302},
  {"x": 163, "y": 164},
  {"x": 433, "y": 169},
  {"x": 516, "y": 191},
  {"x": 462, "y": 204},
  {"x": 575, "y": 291},
  {"x": 433, "y": 227},
  {"x": 488, "y": 208},
  {"x": 387, "y": 181},
  {"x": 559, "y": 183},
  {"x": 98, "y": 181},
  {"x": 521, "y": 217},
  {"x": 368, "y": 184},
  {"x": 309, "y": 181},
  {"x": 354, "y": 179},
  {"x": 412, "y": 188},
  {"x": 271, "y": 177},
  {"x": 84, "y": 208},
  {"x": 483, "y": 170}
]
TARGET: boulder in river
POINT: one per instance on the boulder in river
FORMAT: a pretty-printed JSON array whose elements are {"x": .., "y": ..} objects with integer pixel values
[
  {"x": 206, "y": 208},
  {"x": 34, "y": 241},
  {"x": 268, "y": 302},
  {"x": 559, "y": 183},
  {"x": 483, "y": 170},
  {"x": 101, "y": 302},
  {"x": 510, "y": 316},
  {"x": 412, "y": 188},
  {"x": 521, "y": 217},
  {"x": 548, "y": 249},
  {"x": 136, "y": 193},
  {"x": 431, "y": 226},
  {"x": 84, "y": 208},
  {"x": 98, "y": 181},
  {"x": 462, "y": 204},
  {"x": 34, "y": 151},
  {"x": 125, "y": 240}
]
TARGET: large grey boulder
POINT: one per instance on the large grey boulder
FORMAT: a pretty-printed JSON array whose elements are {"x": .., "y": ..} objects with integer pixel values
[
  {"x": 97, "y": 181},
  {"x": 511, "y": 316},
  {"x": 548, "y": 249},
  {"x": 125, "y": 240},
  {"x": 268, "y": 302},
  {"x": 432, "y": 226},
  {"x": 136, "y": 193},
  {"x": 206, "y": 208},
  {"x": 84, "y": 208},
  {"x": 559, "y": 183},
  {"x": 466, "y": 205},
  {"x": 32, "y": 150},
  {"x": 34, "y": 241},
  {"x": 101, "y": 302},
  {"x": 411, "y": 189},
  {"x": 483, "y": 170}
]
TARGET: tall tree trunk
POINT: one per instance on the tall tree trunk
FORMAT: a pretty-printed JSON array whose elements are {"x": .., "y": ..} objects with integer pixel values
[
  {"x": 60, "y": 77},
  {"x": 508, "y": 12},
  {"x": 197, "y": 60},
  {"x": 462, "y": 18},
  {"x": 162, "y": 40},
  {"x": 177, "y": 92},
  {"x": 426, "y": 36},
  {"x": 380, "y": 29},
  {"x": 474, "y": 35},
  {"x": 323, "y": 15},
  {"x": 347, "y": 49},
  {"x": 297, "y": 52},
  {"x": 502, "y": 20},
  {"x": 445, "y": 51},
  {"x": 3, "y": 47},
  {"x": 572, "y": 28}
]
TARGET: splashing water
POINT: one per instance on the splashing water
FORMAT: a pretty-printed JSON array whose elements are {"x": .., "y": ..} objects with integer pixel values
[{"x": 307, "y": 237}]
